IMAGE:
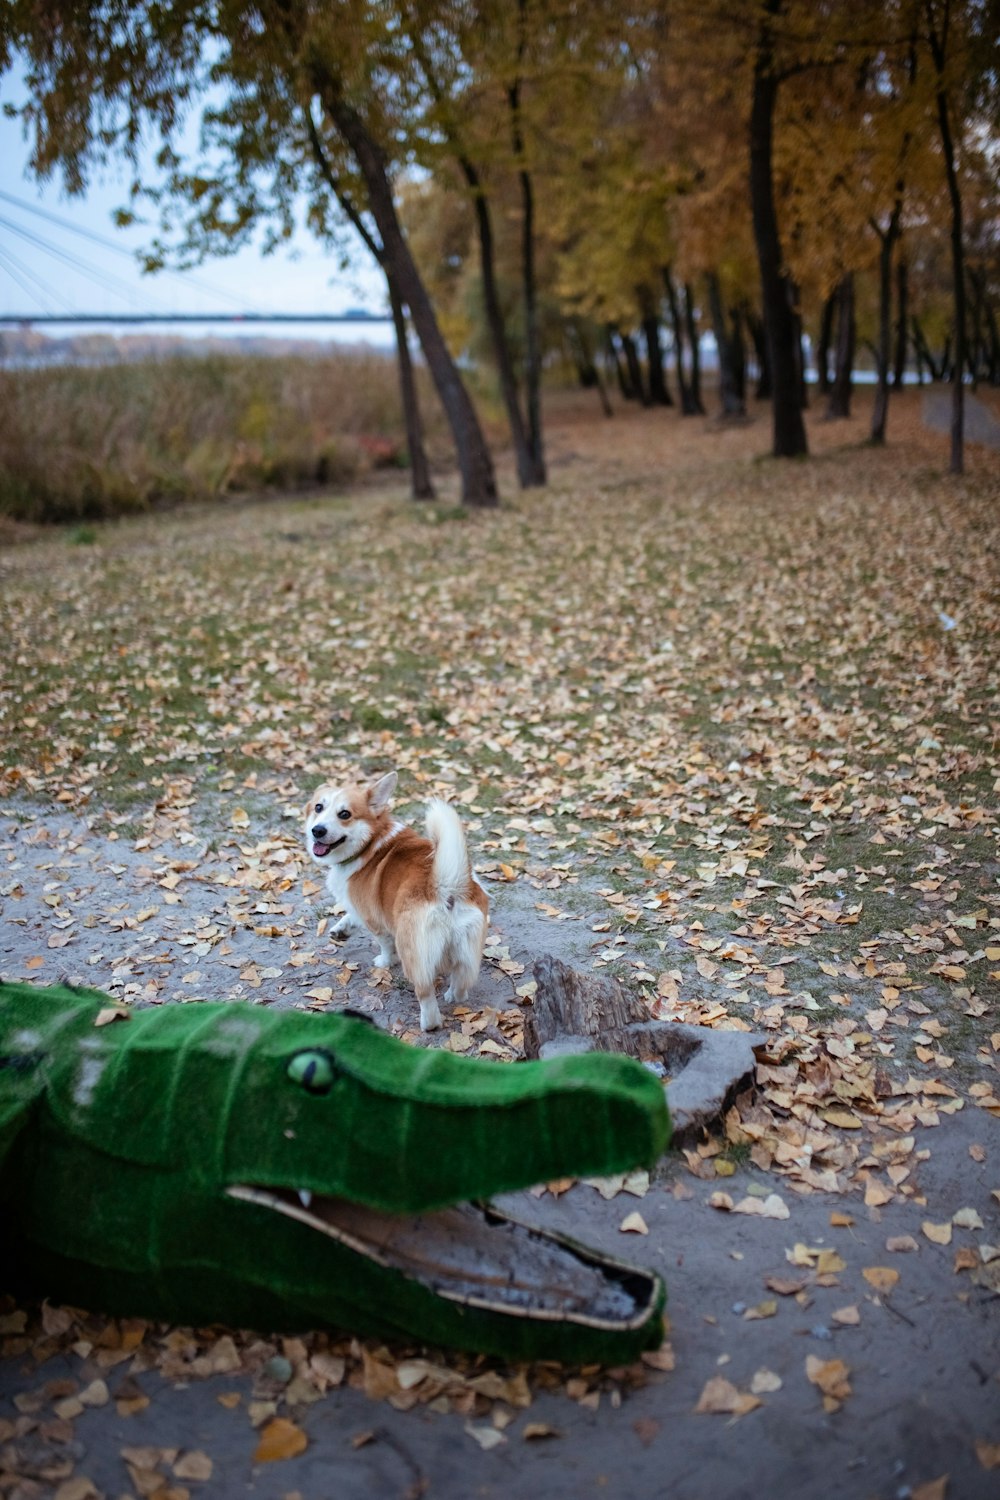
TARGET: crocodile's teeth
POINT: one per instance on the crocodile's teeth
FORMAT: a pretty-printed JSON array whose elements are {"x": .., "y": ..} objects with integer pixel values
[{"x": 305, "y": 1197}]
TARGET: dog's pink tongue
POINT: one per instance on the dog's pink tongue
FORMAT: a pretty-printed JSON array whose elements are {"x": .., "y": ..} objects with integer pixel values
[{"x": 320, "y": 850}]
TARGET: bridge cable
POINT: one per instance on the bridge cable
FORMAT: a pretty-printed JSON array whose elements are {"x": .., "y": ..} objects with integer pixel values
[
  {"x": 186, "y": 278},
  {"x": 108, "y": 281}
]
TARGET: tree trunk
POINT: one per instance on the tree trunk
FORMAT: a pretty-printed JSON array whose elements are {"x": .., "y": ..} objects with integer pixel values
[
  {"x": 495, "y": 322},
  {"x": 688, "y": 407},
  {"x": 800, "y": 352},
  {"x": 659, "y": 395},
  {"x": 730, "y": 391},
  {"x": 695, "y": 347},
  {"x": 978, "y": 358},
  {"x": 957, "y": 460},
  {"x": 918, "y": 353},
  {"x": 823, "y": 345},
  {"x": 532, "y": 349},
  {"x": 526, "y": 470},
  {"x": 923, "y": 352},
  {"x": 759, "y": 339},
  {"x": 993, "y": 364},
  {"x": 625, "y": 387},
  {"x": 421, "y": 486},
  {"x": 739, "y": 357},
  {"x": 579, "y": 353},
  {"x": 779, "y": 319},
  {"x": 475, "y": 462},
  {"x": 880, "y": 411},
  {"x": 839, "y": 404},
  {"x": 902, "y": 313},
  {"x": 634, "y": 367},
  {"x": 589, "y": 374}
]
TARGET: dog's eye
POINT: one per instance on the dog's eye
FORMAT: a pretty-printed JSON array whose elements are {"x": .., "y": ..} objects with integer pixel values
[
  {"x": 344, "y": 815},
  {"x": 315, "y": 1071},
  {"x": 319, "y": 807}
]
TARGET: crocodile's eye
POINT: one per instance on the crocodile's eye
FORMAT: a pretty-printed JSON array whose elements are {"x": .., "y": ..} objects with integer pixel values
[{"x": 315, "y": 1071}]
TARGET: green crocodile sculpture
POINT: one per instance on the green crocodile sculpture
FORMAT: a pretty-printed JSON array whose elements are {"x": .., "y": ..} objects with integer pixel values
[{"x": 226, "y": 1163}]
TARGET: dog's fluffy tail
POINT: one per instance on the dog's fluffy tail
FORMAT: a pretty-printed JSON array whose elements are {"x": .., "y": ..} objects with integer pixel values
[{"x": 451, "y": 858}]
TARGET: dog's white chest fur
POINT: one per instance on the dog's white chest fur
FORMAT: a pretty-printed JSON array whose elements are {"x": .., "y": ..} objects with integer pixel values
[
  {"x": 336, "y": 885},
  {"x": 337, "y": 878}
]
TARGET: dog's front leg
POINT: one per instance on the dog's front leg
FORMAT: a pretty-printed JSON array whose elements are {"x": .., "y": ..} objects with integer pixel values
[{"x": 344, "y": 925}]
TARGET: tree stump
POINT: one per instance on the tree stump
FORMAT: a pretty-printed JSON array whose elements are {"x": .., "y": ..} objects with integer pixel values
[{"x": 703, "y": 1068}]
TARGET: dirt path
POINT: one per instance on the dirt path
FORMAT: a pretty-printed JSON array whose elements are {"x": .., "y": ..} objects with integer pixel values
[{"x": 981, "y": 426}]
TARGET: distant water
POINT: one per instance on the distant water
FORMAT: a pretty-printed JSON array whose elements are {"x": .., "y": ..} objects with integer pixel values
[{"x": 24, "y": 346}]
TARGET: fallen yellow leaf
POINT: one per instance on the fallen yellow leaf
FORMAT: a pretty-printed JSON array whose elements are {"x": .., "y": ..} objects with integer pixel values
[
  {"x": 278, "y": 1440},
  {"x": 633, "y": 1223},
  {"x": 193, "y": 1465},
  {"x": 934, "y": 1489},
  {"x": 882, "y": 1278},
  {"x": 109, "y": 1013},
  {"x": 830, "y": 1375},
  {"x": 829, "y": 1263},
  {"x": 721, "y": 1397},
  {"x": 765, "y": 1309},
  {"x": 988, "y": 1453}
]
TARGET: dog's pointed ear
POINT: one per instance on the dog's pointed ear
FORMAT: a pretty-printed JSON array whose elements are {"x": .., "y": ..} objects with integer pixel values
[{"x": 381, "y": 792}]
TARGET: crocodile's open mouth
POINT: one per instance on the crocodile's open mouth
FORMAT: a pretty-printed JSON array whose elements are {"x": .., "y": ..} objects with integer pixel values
[{"x": 479, "y": 1256}]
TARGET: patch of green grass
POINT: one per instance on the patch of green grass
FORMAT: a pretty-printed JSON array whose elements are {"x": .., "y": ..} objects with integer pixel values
[
  {"x": 431, "y": 513},
  {"x": 373, "y": 720},
  {"x": 737, "y": 1152}
]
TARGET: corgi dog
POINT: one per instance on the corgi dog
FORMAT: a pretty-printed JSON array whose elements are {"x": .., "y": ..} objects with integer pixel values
[{"x": 417, "y": 896}]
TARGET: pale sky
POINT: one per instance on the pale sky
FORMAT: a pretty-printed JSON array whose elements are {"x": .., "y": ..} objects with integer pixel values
[{"x": 45, "y": 267}]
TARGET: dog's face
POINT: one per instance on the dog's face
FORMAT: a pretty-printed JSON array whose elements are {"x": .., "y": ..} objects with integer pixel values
[{"x": 340, "y": 820}]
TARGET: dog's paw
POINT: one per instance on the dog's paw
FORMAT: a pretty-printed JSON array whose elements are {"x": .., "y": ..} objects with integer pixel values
[
  {"x": 430, "y": 1016},
  {"x": 341, "y": 927}
]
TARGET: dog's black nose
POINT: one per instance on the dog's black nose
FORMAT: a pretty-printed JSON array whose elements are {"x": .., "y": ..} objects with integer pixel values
[{"x": 319, "y": 831}]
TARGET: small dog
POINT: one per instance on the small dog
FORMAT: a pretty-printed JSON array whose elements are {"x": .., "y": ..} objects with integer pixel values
[{"x": 417, "y": 894}]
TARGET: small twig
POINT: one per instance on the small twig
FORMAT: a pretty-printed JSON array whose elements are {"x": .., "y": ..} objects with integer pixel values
[
  {"x": 888, "y": 1304},
  {"x": 495, "y": 962},
  {"x": 419, "y": 1481}
]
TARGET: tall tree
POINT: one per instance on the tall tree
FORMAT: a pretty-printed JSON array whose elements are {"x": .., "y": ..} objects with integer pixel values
[
  {"x": 440, "y": 37},
  {"x": 789, "y": 433},
  {"x": 839, "y": 403},
  {"x": 940, "y": 37},
  {"x": 421, "y": 484}
]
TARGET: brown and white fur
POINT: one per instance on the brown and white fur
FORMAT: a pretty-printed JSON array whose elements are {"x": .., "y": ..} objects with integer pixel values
[{"x": 417, "y": 895}]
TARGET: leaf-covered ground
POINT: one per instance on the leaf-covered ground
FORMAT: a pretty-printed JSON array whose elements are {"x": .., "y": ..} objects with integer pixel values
[{"x": 722, "y": 726}]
